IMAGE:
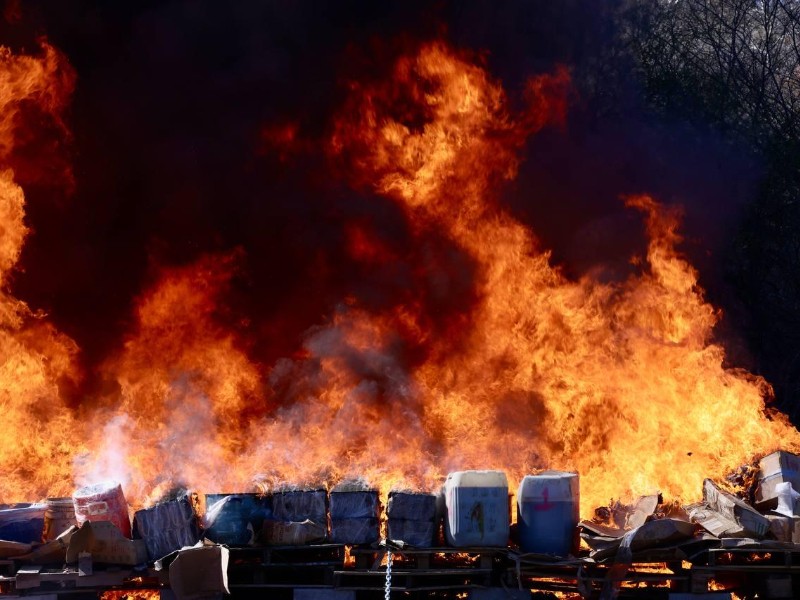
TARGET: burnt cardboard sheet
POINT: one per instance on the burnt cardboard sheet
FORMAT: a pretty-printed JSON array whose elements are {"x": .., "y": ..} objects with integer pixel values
[
  {"x": 105, "y": 542},
  {"x": 652, "y": 534},
  {"x": 641, "y": 510},
  {"x": 602, "y": 530},
  {"x": 54, "y": 551},
  {"x": 9, "y": 549},
  {"x": 724, "y": 515}
]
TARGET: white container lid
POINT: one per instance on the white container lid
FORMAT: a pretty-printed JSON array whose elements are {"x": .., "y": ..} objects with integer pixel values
[
  {"x": 560, "y": 485},
  {"x": 477, "y": 479}
]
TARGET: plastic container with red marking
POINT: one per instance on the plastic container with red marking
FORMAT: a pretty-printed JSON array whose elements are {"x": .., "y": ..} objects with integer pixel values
[
  {"x": 103, "y": 502},
  {"x": 548, "y": 506}
]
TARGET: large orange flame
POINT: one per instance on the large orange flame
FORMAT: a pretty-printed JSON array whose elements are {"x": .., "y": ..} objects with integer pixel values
[
  {"x": 185, "y": 391},
  {"x": 35, "y": 359},
  {"x": 620, "y": 381}
]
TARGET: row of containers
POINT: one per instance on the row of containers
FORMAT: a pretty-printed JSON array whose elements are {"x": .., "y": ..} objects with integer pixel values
[{"x": 472, "y": 510}]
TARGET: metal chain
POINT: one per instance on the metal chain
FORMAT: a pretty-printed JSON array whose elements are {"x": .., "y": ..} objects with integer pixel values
[{"x": 388, "y": 588}]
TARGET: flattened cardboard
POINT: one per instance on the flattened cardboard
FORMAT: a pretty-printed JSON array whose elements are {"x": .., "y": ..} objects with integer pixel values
[
  {"x": 54, "y": 551},
  {"x": 651, "y": 534},
  {"x": 644, "y": 507},
  {"x": 751, "y": 522},
  {"x": 714, "y": 522},
  {"x": 602, "y": 530},
  {"x": 106, "y": 544},
  {"x": 9, "y": 549}
]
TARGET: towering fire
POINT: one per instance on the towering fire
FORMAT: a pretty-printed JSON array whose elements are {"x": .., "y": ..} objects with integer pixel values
[
  {"x": 36, "y": 360},
  {"x": 528, "y": 369}
]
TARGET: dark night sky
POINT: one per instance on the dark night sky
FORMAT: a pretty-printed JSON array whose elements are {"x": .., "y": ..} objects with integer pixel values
[{"x": 170, "y": 161}]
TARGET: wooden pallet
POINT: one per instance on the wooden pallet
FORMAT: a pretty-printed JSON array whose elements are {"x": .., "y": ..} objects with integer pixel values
[
  {"x": 7, "y": 568},
  {"x": 768, "y": 572},
  {"x": 579, "y": 576},
  {"x": 413, "y": 579},
  {"x": 287, "y": 556},
  {"x": 281, "y": 577},
  {"x": 36, "y": 578},
  {"x": 429, "y": 558},
  {"x": 284, "y": 566},
  {"x": 421, "y": 569}
]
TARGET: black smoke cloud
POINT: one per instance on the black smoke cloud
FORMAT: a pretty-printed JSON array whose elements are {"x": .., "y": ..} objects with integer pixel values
[{"x": 169, "y": 117}]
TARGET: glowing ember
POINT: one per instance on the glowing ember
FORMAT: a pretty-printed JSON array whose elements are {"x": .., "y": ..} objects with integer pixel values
[
  {"x": 619, "y": 381},
  {"x": 137, "y": 594}
]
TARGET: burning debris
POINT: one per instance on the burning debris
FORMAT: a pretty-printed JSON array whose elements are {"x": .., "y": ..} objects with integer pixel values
[
  {"x": 607, "y": 365},
  {"x": 604, "y": 363},
  {"x": 472, "y": 512},
  {"x": 468, "y": 373},
  {"x": 724, "y": 515}
]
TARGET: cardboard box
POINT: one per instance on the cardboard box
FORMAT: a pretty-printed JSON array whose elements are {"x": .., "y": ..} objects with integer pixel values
[
  {"x": 199, "y": 572},
  {"x": 776, "y": 468},
  {"x": 795, "y": 530},
  {"x": 105, "y": 542},
  {"x": 780, "y": 527}
]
